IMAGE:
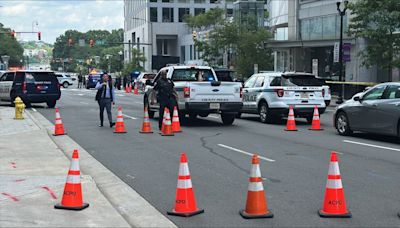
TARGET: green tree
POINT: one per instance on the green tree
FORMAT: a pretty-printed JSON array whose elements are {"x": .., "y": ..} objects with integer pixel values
[
  {"x": 379, "y": 23},
  {"x": 10, "y": 46},
  {"x": 77, "y": 54},
  {"x": 134, "y": 64},
  {"x": 244, "y": 39},
  {"x": 114, "y": 59}
]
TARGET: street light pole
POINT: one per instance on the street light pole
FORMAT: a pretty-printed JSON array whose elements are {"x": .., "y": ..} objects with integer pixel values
[{"x": 342, "y": 13}]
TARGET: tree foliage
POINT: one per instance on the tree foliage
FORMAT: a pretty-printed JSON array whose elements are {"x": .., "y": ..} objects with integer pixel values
[
  {"x": 244, "y": 40},
  {"x": 105, "y": 43},
  {"x": 137, "y": 58},
  {"x": 10, "y": 46},
  {"x": 379, "y": 23}
]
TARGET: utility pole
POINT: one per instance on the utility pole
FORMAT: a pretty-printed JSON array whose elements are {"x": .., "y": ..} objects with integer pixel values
[{"x": 342, "y": 13}]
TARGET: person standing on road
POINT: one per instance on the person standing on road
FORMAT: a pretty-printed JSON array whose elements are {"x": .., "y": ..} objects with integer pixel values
[
  {"x": 165, "y": 96},
  {"x": 105, "y": 96},
  {"x": 80, "y": 81}
]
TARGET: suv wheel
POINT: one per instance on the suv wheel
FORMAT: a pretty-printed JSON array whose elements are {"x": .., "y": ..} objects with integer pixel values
[
  {"x": 265, "y": 115},
  {"x": 51, "y": 104},
  {"x": 227, "y": 118},
  {"x": 342, "y": 124},
  {"x": 65, "y": 85}
]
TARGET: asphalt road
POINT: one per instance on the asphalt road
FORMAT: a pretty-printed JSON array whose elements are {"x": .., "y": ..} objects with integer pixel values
[{"x": 295, "y": 167}]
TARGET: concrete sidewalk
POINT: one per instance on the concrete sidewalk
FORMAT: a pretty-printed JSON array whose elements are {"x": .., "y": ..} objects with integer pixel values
[{"x": 33, "y": 169}]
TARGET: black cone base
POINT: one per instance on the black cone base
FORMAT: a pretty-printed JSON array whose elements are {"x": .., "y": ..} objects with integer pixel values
[
  {"x": 59, "y": 206},
  {"x": 250, "y": 216},
  {"x": 188, "y": 214},
  {"x": 325, "y": 215}
]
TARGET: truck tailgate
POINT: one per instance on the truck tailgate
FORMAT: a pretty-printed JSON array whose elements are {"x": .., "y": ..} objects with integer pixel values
[{"x": 215, "y": 92}]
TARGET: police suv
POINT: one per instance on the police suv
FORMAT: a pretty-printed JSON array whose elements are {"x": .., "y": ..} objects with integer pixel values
[
  {"x": 199, "y": 93},
  {"x": 31, "y": 86},
  {"x": 271, "y": 94}
]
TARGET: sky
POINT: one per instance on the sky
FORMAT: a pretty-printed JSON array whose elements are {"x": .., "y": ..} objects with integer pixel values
[{"x": 53, "y": 17}]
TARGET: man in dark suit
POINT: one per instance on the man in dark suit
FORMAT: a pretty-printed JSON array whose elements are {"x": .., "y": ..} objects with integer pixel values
[{"x": 105, "y": 96}]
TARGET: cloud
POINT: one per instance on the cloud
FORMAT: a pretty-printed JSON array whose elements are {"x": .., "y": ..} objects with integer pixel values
[{"x": 55, "y": 17}]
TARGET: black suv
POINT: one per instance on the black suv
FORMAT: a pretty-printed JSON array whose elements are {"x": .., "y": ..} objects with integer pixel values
[{"x": 31, "y": 86}]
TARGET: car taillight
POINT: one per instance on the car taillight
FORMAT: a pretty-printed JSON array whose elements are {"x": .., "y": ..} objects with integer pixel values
[
  {"x": 280, "y": 92},
  {"x": 186, "y": 92},
  {"x": 24, "y": 87},
  {"x": 241, "y": 92},
  {"x": 323, "y": 93}
]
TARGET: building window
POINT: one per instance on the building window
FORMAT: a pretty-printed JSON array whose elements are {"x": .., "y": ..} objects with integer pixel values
[
  {"x": 162, "y": 47},
  {"x": 153, "y": 0},
  {"x": 191, "y": 52},
  {"x": 213, "y": 1},
  {"x": 281, "y": 33},
  {"x": 183, "y": 1},
  {"x": 199, "y": 1},
  {"x": 183, "y": 54},
  {"x": 167, "y": 0},
  {"x": 318, "y": 28},
  {"x": 229, "y": 12},
  {"x": 198, "y": 11},
  {"x": 182, "y": 13},
  {"x": 153, "y": 14},
  {"x": 168, "y": 14}
]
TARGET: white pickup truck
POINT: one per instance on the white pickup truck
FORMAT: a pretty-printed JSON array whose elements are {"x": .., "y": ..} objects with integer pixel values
[{"x": 199, "y": 93}]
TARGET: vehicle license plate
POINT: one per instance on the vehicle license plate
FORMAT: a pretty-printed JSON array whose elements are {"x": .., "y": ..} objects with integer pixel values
[
  {"x": 304, "y": 95},
  {"x": 214, "y": 105}
]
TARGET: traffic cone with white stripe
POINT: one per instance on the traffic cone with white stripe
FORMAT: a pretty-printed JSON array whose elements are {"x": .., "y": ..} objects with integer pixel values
[
  {"x": 120, "y": 125},
  {"x": 146, "y": 126},
  {"x": 334, "y": 205},
  {"x": 167, "y": 131},
  {"x": 135, "y": 90},
  {"x": 291, "y": 122},
  {"x": 72, "y": 196},
  {"x": 126, "y": 89},
  {"x": 130, "y": 88},
  {"x": 59, "y": 126},
  {"x": 185, "y": 201},
  {"x": 316, "y": 123},
  {"x": 176, "y": 125},
  {"x": 256, "y": 204}
]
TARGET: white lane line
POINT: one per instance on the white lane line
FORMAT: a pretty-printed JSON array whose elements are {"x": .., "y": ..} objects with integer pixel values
[
  {"x": 244, "y": 152},
  {"x": 84, "y": 103},
  {"x": 120, "y": 95},
  {"x": 130, "y": 117},
  {"x": 34, "y": 109},
  {"x": 80, "y": 94},
  {"x": 371, "y": 145},
  {"x": 138, "y": 102}
]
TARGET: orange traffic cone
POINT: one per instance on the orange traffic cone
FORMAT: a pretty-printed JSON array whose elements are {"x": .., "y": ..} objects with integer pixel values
[
  {"x": 316, "y": 123},
  {"x": 72, "y": 196},
  {"x": 334, "y": 205},
  {"x": 130, "y": 88},
  {"x": 167, "y": 131},
  {"x": 59, "y": 126},
  {"x": 256, "y": 204},
  {"x": 291, "y": 122},
  {"x": 176, "y": 125},
  {"x": 126, "y": 89},
  {"x": 185, "y": 201},
  {"x": 120, "y": 125},
  {"x": 163, "y": 121},
  {"x": 135, "y": 91},
  {"x": 146, "y": 127}
]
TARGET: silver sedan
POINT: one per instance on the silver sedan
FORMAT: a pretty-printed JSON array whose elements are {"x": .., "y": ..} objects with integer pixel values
[{"x": 376, "y": 110}]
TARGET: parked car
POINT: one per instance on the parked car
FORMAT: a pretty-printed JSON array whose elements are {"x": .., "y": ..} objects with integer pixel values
[
  {"x": 200, "y": 93},
  {"x": 271, "y": 94},
  {"x": 64, "y": 79},
  {"x": 92, "y": 80},
  {"x": 31, "y": 86},
  {"x": 376, "y": 110},
  {"x": 140, "y": 81}
]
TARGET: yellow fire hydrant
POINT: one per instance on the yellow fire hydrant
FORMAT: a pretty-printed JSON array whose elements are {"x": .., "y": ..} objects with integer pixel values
[{"x": 19, "y": 108}]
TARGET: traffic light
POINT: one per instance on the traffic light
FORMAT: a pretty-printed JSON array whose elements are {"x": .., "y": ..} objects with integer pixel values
[
  {"x": 91, "y": 43},
  {"x": 13, "y": 34},
  {"x": 39, "y": 36},
  {"x": 194, "y": 35},
  {"x": 70, "y": 42}
]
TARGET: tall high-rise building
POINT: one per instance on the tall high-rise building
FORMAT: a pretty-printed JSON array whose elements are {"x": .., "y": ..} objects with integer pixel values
[{"x": 157, "y": 28}]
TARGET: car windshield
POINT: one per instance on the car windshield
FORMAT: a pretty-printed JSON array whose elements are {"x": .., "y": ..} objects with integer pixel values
[
  {"x": 193, "y": 75},
  {"x": 149, "y": 76},
  {"x": 33, "y": 77},
  {"x": 301, "y": 80}
]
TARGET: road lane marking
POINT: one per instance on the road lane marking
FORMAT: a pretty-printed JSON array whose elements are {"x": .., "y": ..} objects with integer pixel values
[
  {"x": 84, "y": 103},
  {"x": 130, "y": 117},
  {"x": 120, "y": 95},
  {"x": 371, "y": 145},
  {"x": 244, "y": 152},
  {"x": 138, "y": 102},
  {"x": 80, "y": 94}
]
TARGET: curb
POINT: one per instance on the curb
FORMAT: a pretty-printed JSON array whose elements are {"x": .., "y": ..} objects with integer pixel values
[{"x": 132, "y": 207}]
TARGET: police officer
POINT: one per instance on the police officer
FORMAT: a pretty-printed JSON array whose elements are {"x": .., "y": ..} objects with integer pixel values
[{"x": 166, "y": 95}]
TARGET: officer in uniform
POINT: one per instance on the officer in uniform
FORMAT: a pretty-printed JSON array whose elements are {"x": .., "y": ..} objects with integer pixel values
[{"x": 166, "y": 96}]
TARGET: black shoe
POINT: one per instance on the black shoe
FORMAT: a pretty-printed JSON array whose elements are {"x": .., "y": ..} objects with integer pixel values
[{"x": 112, "y": 124}]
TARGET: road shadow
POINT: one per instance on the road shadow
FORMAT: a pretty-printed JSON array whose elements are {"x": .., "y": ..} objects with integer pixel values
[
  {"x": 376, "y": 137},
  {"x": 280, "y": 122}
]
